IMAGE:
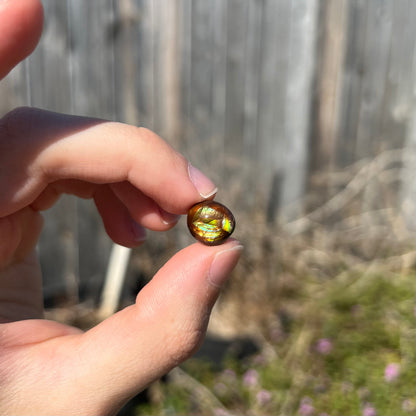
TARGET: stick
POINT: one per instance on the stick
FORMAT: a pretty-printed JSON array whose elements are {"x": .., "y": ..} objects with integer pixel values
[{"x": 114, "y": 279}]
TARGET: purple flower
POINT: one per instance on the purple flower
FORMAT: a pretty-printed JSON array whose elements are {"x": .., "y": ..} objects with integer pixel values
[
  {"x": 306, "y": 408},
  {"x": 263, "y": 397},
  {"x": 369, "y": 410},
  {"x": 391, "y": 372},
  {"x": 251, "y": 378},
  {"x": 324, "y": 346}
]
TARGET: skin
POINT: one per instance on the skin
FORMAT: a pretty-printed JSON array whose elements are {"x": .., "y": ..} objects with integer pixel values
[{"x": 49, "y": 368}]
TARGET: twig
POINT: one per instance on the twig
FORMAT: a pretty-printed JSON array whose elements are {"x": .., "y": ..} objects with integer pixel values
[
  {"x": 114, "y": 280},
  {"x": 354, "y": 187}
]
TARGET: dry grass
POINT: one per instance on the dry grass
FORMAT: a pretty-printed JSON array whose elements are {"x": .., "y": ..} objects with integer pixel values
[{"x": 358, "y": 230}]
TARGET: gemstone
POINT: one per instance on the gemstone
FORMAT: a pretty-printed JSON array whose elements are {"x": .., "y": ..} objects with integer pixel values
[{"x": 210, "y": 222}]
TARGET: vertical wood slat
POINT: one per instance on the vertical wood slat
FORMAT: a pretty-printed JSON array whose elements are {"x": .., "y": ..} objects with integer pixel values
[
  {"x": 204, "y": 86},
  {"x": 326, "y": 99},
  {"x": 251, "y": 106},
  {"x": 272, "y": 112},
  {"x": 376, "y": 49},
  {"x": 201, "y": 71},
  {"x": 128, "y": 108},
  {"x": 406, "y": 86},
  {"x": 185, "y": 69},
  {"x": 351, "y": 82},
  {"x": 219, "y": 77},
  {"x": 170, "y": 52},
  {"x": 48, "y": 67},
  {"x": 376, "y": 54},
  {"x": 252, "y": 66},
  {"x": 304, "y": 17},
  {"x": 235, "y": 76},
  {"x": 398, "y": 99},
  {"x": 91, "y": 58}
]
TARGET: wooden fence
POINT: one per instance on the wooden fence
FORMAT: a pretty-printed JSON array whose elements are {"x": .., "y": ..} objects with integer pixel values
[{"x": 260, "y": 94}]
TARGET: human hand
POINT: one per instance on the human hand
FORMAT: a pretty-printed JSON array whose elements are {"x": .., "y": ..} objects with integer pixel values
[{"x": 50, "y": 368}]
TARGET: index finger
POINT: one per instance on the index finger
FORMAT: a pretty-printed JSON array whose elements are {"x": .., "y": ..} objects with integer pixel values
[{"x": 38, "y": 147}]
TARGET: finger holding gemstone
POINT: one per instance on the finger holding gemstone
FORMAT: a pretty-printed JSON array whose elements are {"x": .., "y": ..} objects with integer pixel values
[{"x": 210, "y": 222}]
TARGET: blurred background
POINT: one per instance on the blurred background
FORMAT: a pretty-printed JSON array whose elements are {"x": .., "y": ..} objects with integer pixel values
[{"x": 303, "y": 113}]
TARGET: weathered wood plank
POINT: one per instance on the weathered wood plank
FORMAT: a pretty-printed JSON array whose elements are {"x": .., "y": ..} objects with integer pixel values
[
  {"x": 185, "y": 63},
  {"x": 92, "y": 63},
  {"x": 351, "y": 82},
  {"x": 326, "y": 98},
  {"x": 48, "y": 67},
  {"x": 375, "y": 65},
  {"x": 252, "y": 67},
  {"x": 201, "y": 72},
  {"x": 301, "y": 64},
  {"x": 398, "y": 84},
  {"x": 131, "y": 97},
  {"x": 404, "y": 108},
  {"x": 219, "y": 75},
  {"x": 235, "y": 88},
  {"x": 272, "y": 112}
]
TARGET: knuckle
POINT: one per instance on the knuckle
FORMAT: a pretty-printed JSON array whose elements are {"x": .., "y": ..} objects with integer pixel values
[
  {"x": 150, "y": 139},
  {"x": 153, "y": 140},
  {"x": 147, "y": 133},
  {"x": 16, "y": 122}
]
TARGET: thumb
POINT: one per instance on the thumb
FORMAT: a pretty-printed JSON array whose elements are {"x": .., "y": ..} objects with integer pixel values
[{"x": 165, "y": 326}]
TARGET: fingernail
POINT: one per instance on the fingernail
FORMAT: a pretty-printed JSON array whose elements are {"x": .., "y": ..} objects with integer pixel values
[
  {"x": 203, "y": 185},
  {"x": 167, "y": 217},
  {"x": 223, "y": 263}
]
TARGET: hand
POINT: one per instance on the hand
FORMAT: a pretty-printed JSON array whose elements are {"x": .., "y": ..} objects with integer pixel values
[{"x": 49, "y": 368}]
